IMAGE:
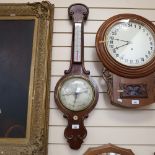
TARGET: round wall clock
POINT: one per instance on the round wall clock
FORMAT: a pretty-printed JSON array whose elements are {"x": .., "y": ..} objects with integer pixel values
[
  {"x": 125, "y": 44},
  {"x": 76, "y": 94}
]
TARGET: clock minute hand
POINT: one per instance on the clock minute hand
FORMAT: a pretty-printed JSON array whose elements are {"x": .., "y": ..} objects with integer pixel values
[{"x": 121, "y": 46}]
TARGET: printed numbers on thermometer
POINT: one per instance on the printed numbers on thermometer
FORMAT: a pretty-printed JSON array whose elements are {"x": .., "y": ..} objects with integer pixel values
[{"x": 77, "y": 43}]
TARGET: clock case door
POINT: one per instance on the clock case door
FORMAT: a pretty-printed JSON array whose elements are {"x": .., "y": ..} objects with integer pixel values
[{"x": 129, "y": 87}]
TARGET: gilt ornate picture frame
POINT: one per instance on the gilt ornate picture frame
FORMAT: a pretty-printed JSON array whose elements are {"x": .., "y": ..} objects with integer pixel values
[{"x": 25, "y": 47}]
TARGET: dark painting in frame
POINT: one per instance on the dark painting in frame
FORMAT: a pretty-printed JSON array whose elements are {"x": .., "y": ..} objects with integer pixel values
[{"x": 25, "y": 47}]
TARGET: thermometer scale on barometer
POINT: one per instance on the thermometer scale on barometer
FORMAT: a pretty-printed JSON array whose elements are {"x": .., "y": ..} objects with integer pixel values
[
  {"x": 77, "y": 42},
  {"x": 76, "y": 94}
]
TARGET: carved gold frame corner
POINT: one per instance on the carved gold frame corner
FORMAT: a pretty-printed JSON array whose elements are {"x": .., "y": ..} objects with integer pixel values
[{"x": 36, "y": 140}]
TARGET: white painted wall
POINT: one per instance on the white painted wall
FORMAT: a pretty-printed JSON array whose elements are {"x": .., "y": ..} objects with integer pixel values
[{"x": 133, "y": 129}]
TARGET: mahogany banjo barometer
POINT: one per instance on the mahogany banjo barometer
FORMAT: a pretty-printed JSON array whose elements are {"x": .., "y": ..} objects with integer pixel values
[
  {"x": 125, "y": 44},
  {"x": 75, "y": 93}
]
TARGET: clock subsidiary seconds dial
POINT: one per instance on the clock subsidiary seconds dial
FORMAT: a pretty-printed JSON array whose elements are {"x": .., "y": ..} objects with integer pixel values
[{"x": 130, "y": 42}]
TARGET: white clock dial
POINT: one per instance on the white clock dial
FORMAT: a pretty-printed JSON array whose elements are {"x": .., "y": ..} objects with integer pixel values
[
  {"x": 130, "y": 42},
  {"x": 76, "y": 93}
]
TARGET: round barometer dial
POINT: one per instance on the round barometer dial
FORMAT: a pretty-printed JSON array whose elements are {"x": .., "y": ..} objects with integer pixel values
[
  {"x": 130, "y": 42},
  {"x": 125, "y": 44},
  {"x": 76, "y": 93}
]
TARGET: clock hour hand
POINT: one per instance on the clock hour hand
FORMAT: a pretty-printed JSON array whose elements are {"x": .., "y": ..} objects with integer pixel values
[
  {"x": 122, "y": 40},
  {"x": 104, "y": 41}
]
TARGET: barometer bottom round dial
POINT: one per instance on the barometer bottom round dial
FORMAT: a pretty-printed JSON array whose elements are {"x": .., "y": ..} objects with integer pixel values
[{"x": 76, "y": 93}]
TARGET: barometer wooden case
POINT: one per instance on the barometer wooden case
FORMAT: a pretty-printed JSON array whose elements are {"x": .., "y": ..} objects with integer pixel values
[
  {"x": 125, "y": 44},
  {"x": 76, "y": 93}
]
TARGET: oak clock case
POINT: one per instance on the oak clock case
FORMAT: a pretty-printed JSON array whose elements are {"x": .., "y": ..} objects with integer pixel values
[
  {"x": 108, "y": 149},
  {"x": 76, "y": 94},
  {"x": 125, "y": 44}
]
